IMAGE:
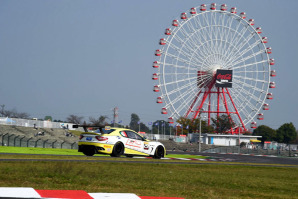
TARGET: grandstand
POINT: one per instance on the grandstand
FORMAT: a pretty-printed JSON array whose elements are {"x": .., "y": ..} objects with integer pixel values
[{"x": 27, "y": 134}]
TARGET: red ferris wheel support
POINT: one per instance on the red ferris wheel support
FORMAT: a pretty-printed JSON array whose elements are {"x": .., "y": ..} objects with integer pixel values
[{"x": 222, "y": 97}]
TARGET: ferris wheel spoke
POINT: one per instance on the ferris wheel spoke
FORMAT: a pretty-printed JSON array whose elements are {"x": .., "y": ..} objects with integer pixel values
[
  {"x": 189, "y": 49},
  {"x": 246, "y": 103},
  {"x": 247, "y": 57},
  {"x": 250, "y": 64},
  {"x": 204, "y": 50},
  {"x": 186, "y": 54},
  {"x": 249, "y": 49},
  {"x": 231, "y": 55},
  {"x": 178, "y": 81},
  {"x": 176, "y": 66},
  {"x": 184, "y": 98},
  {"x": 210, "y": 31},
  {"x": 177, "y": 89},
  {"x": 180, "y": 59},
  {"x": 241, "y": 35},
  {"x": 228, "y": 30},
  {"x": 202, "y": 33},
  {"x": 176, "y": 74},
  {"x": 253, "y": 88},
  {"x": 242, "y": 43}
]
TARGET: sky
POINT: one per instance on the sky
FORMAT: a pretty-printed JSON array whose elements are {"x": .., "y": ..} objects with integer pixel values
[{"x": 63, "y": 57}]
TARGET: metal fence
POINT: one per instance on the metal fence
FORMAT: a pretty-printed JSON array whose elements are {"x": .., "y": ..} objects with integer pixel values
[
  {"x": 23, "y": 141},
  {"x": 256, "y": 151}
]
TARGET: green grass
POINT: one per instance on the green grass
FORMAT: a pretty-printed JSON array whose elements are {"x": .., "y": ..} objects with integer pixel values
[
  {"x": 155, "y": 179},
  {"x": 50, "y": 151},
  {"x": 32, "y": 150},
  {"x": 188, "y": 181}
]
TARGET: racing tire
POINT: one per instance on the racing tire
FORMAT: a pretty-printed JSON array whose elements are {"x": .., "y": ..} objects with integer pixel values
[
  {"x": 159, "y": 152},
  {"x": 89, "y": 152},
  {"x": 118, "y": 150}
]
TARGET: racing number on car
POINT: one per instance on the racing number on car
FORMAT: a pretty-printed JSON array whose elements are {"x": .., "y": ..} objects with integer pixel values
[{"x": 151, "y": 147}]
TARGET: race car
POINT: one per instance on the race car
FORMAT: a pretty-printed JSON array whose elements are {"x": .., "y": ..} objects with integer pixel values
[{"x": 118, "y": 141}]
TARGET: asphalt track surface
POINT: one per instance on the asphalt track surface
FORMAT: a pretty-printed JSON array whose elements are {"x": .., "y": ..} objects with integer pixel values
[
  {"x": 241, "y": 158},
  {"x": 222, "y": 159}
]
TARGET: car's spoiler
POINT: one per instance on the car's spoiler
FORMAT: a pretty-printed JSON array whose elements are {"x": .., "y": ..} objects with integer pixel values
[{"x": 85, "y": 127}]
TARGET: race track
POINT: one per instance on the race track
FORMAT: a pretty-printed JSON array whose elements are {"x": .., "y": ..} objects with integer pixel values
[{"x": 212, "y": 158}]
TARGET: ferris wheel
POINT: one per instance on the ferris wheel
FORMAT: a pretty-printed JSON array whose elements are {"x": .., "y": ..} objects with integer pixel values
[{"x": 213, "y": 61}]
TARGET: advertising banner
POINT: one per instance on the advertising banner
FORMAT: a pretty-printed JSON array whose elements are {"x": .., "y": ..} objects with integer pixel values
[{"x": 224, "y": 78}]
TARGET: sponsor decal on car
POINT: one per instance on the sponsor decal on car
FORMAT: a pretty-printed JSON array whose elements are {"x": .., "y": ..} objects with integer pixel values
[
  {"x": 146, "y": 146},
  {"x": 134, "y": 143}
]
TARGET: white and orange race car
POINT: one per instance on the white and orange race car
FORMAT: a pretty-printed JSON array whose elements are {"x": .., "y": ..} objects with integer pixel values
[{"x": 118, "y": 141}]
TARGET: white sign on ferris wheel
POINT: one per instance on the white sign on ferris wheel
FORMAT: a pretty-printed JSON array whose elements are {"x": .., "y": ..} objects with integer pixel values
[{"x": 205, "y": 40}]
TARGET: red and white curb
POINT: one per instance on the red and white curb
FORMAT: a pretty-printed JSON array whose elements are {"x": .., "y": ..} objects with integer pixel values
[
  {"x": 197, "y": 159},
  {"x": 21, "y": 192},
  {"x": 248, "y": 154}
]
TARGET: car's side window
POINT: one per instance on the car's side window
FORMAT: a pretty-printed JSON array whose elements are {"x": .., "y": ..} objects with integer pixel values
[
  {"x": 123, "y": 133},
  {"x": 133, "y": 135}
]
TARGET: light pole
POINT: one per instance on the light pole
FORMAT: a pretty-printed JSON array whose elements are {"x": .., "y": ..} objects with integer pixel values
[{"x": 201, "y": 111}]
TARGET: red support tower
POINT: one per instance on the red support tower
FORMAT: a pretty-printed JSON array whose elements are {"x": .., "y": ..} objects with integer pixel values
[{"x": 211, "y": 92}]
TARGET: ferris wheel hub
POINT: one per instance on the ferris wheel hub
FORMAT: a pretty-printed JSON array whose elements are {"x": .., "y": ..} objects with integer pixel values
[{"x": 212, "y": 69}]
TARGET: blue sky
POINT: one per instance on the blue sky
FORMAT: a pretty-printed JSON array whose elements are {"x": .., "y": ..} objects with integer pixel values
[{"x": 63, "y": 57}]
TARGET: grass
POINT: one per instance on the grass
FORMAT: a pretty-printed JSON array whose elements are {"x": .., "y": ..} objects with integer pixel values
[
  {"x": 51, "y": 151},
  {"x": 156, "y": 179},
  {"x": 188, "y": 181}
]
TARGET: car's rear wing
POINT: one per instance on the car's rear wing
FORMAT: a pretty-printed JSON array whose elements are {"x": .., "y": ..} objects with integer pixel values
[{"x": 85, "y": 127}]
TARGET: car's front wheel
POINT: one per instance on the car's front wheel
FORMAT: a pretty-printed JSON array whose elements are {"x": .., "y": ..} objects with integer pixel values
[
  {"x": 159, "y": 152},
  {"x": 118, "y": 150}
]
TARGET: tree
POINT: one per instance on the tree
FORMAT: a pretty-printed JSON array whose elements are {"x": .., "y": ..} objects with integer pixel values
[
  {"x": 74, "y": 119},
  {"x": 48, "y": 118},
  {"x": 15, "y": 114},
  {"x": 101, "y": 121},
  {"x": 296, "y": 140},
  {"x": 134, "y": 122},
  {"x": 286, "y": 133},
  {"x": 186, "y": 125},
  {"x": 267, "y": 133},
  {"x": 223, "y": 124},
  {"x": 136, "y": 125},
  {"x": 193, "y": 126}
]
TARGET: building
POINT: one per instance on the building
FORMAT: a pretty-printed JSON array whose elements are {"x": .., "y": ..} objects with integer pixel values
[{"x": 228, "y": 140}]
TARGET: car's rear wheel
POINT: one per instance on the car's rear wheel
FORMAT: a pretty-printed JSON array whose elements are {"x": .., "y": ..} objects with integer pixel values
[
  {"x": 159, "y": 152},
  {"x": 118, "y": 150},
  {"x": 89, "y": 152}
]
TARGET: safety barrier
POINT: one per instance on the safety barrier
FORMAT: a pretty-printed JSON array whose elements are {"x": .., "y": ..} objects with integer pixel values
[
  {"x": 7, "y": 139},
  {"x": 255, "y": 151}
]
